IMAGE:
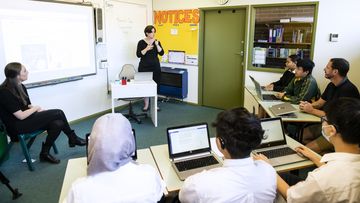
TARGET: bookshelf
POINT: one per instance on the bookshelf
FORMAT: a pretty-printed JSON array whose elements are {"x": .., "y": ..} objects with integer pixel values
[{"x": 279, "y": 31}]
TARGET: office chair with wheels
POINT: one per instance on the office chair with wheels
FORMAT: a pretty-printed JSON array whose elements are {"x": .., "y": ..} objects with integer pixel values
[
  {"x": 128, "y": 71},
  {"x": 26, "y": 140}
]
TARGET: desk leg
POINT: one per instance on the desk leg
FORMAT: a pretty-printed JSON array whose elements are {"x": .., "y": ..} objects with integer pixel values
[
  {"x": 112, "y": 105},
  {"x": 153, "y": 110}
]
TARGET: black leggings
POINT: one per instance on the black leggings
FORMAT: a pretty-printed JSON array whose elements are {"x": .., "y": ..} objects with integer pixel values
[{"x": 53, "y": 121}]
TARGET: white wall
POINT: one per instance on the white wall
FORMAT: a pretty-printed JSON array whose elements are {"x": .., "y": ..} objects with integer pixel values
[
  {"x": 333, "y": 17},
  {"x": 84, "y": 97}
]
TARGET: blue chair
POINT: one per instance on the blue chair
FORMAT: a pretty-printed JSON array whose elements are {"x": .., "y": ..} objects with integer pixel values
[{"x": 25, "y": 146}]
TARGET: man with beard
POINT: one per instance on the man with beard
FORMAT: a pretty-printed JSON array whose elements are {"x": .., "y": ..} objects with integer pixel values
[{"x": 340, "y": 86}]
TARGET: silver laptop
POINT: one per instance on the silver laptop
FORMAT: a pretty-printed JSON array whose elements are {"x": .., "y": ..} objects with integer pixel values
[
  {"x": 143, "y": 76},
  {"x": 274, "y": 144},
  {"x": 282, "y": 109},
  {"x": 190, "y": 150},
  {"x": 260, "y": 94}
]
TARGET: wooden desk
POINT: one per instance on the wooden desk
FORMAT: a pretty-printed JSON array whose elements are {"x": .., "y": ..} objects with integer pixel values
[
  {"x": 301, "y": 116},
  {"x": 136, "y": 89},
  {"x": 76, "y": 168},
  {"x": 173, "y": 183}
]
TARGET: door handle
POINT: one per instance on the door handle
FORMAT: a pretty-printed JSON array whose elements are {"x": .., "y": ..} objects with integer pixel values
[{"x": 241, "y": 53}]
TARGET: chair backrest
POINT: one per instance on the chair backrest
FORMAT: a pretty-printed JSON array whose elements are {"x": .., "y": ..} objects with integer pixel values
[{"x": 128, "y": 71}]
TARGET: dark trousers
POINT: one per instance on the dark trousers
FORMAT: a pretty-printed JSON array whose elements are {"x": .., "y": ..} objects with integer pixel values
[
  {"x": 290, "y": 179},
  {"x": 53, "y": 121}
]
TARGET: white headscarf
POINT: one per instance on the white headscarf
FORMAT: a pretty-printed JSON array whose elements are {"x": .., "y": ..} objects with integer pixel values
[{"x": 111, "y": 144}]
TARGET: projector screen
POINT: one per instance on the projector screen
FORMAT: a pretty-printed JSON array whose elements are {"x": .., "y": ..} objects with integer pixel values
[{"x": 52, "y": 40}]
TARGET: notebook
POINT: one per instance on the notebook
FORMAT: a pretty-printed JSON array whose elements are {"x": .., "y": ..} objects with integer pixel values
[
  {"x": 133, "y": 155},
  {"x": 143, "y": 76},
  {"x": 282, "y": 109},
  {"x": 190, "y": 150},
  {"x": 274, "y": 144},
  {"x": 259, "y": 89}
]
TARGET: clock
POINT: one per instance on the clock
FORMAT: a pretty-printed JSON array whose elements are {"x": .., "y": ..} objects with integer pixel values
[{"x": 222, "y": 2}]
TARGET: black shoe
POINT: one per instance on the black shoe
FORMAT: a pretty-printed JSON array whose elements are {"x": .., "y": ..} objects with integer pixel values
[
  {"x": 77, "y": 141},
  {"x": 145, "y": 110},
  {"x": 49, "y": 158}
]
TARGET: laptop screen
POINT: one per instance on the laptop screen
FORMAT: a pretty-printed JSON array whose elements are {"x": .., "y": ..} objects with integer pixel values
[
  {"x": 187, "y": 140},
  {"x": 274, "y": 134}
]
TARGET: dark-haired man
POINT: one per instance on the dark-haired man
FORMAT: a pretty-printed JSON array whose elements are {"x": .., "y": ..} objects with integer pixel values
[
  {"x": 303, "y": 87},
  {"x": 241, "y": 179},
  {"x": 340, "y": 86}
]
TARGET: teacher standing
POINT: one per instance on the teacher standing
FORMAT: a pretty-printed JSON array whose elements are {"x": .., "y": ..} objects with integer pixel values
[{"x": 148, "y": 50}]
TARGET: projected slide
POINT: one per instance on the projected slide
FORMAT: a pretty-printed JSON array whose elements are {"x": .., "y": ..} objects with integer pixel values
[{"x": 52, "y": 40}]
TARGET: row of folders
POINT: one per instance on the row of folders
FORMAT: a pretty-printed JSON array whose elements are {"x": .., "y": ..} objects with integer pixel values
[{"x": 260, "y": 54}]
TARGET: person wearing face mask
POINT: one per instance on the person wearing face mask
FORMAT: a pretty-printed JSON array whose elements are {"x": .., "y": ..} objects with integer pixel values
[
  {"x": 303, "y": 86},
  {"x": 338, "y": 177},
  {"x": 288, "y": 75},
  {"x": 148, "y": 50},
  {"x": 340, "y": 86},
  {"x": 20, "y": 116}
]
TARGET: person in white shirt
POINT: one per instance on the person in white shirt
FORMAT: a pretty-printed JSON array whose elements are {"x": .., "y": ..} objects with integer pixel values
[
  {"x": 112, "y": 175},
  {"x": 338, "y": 177},
  {"x": 240, "y": 179}
]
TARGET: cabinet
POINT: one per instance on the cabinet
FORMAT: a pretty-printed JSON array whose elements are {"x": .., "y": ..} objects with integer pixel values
[
  {"x": 174, "y": 82},
  {"x": 274, "y": 42}
]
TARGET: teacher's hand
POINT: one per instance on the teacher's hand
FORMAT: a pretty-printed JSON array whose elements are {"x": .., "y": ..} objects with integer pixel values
[{"x": 156, "y": 42}]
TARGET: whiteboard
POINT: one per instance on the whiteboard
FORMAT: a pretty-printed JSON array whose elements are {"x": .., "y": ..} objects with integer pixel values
[
  {"x": 124, "y": 24},
  {"x": 52, "y": 40}
]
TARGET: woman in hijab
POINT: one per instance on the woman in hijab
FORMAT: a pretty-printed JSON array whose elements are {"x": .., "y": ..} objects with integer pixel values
[{"x": 112, "y": 175}]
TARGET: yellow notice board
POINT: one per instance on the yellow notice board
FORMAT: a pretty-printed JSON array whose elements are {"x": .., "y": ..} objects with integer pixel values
[{"x": 178, "y": 30}]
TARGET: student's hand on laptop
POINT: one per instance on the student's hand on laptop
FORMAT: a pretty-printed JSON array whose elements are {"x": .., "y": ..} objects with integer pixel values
[
  {"x": 269, "y": 87},
  {"x": 261, "y": 157},
  {"x": 306, "y": 152},
  {"x": 306, "y": 106},
  {"x": 280, "y": 95}
]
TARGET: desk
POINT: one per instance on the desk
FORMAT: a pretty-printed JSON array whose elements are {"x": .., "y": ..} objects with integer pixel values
[
  {"x": 76, "y": 168},
  {"x": 173, "y": 183},
  {"x": 301, "y": 116},
  {"x": 136, "y": 89}
]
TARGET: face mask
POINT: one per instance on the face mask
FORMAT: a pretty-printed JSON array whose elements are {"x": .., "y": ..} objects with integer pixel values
[{"x": 323, "y": 133}]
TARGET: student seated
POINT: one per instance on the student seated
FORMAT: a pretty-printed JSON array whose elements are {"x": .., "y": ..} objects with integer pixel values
[
  {"x": 303, "y": 86},
  {"x": 240, "y": 179},
  {"x": 338, "y": 177},
  {"x": 21, "y": 116},
  {"x": 288, "y": 75},
  {"x": 340, "y": 86},
  {"x": 112, "y": 174}
]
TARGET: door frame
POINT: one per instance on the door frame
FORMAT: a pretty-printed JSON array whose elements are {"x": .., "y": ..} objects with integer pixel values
[{"x": 201, "y": 49}]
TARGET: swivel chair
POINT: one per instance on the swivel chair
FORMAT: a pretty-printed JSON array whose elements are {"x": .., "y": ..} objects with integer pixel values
[{"x": 128, "y": 71}]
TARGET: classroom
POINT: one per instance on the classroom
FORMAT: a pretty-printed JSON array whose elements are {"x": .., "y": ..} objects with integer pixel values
[{"x": 167, "y": 101}]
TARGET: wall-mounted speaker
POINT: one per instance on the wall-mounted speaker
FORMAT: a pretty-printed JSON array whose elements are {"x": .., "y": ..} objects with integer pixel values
[{"x": 99, "y": 28}]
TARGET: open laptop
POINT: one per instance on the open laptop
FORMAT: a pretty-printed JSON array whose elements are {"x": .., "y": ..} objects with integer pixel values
[
  {"x": 133, "y": 156},
  {"x": 274, "y": 144},
  {"x": 190, "y": 150},
  {"x": 283, "y": 109},
  {"x": 263, "y": 97},
  {"x": 143, "y": 76}
]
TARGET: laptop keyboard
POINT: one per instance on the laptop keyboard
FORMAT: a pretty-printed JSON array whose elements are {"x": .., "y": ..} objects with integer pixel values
[
  {"x": 269, "y": 97},
  {"x": 196, "y": 163},
  {"x": 278, "y": 152}
]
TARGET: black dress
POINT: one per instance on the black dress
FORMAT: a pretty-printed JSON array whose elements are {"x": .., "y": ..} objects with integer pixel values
[
  {"x": 150, "y": 61},
  {"x": 53, "y": 120}
]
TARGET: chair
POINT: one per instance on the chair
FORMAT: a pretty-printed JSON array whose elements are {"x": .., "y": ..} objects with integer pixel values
[
  {"x": 128, "y": 71},
  {"x": 25, "y": 146}
]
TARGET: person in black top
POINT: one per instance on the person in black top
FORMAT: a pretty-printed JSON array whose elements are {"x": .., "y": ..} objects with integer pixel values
[
  {"x": 340, "y": 86},
  {"x": 20, "y": 116},
  {"x": 148, "y": 50},
  {"x": 288, "y": 75}
]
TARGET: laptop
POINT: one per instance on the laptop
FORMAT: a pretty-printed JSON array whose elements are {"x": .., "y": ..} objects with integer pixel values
[
  {"x": 143, "y": 76},
  {"x": 274, "y": 144},
  {"x": 259, "y": 89},
  {"x": 282, "y": 109},
  {"x": 133, "y": 156},
  {"x": 190, "y": 150}
]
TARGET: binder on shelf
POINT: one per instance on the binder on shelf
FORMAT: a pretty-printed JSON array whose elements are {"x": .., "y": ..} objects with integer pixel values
[{"x": 270, "y": 34}]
